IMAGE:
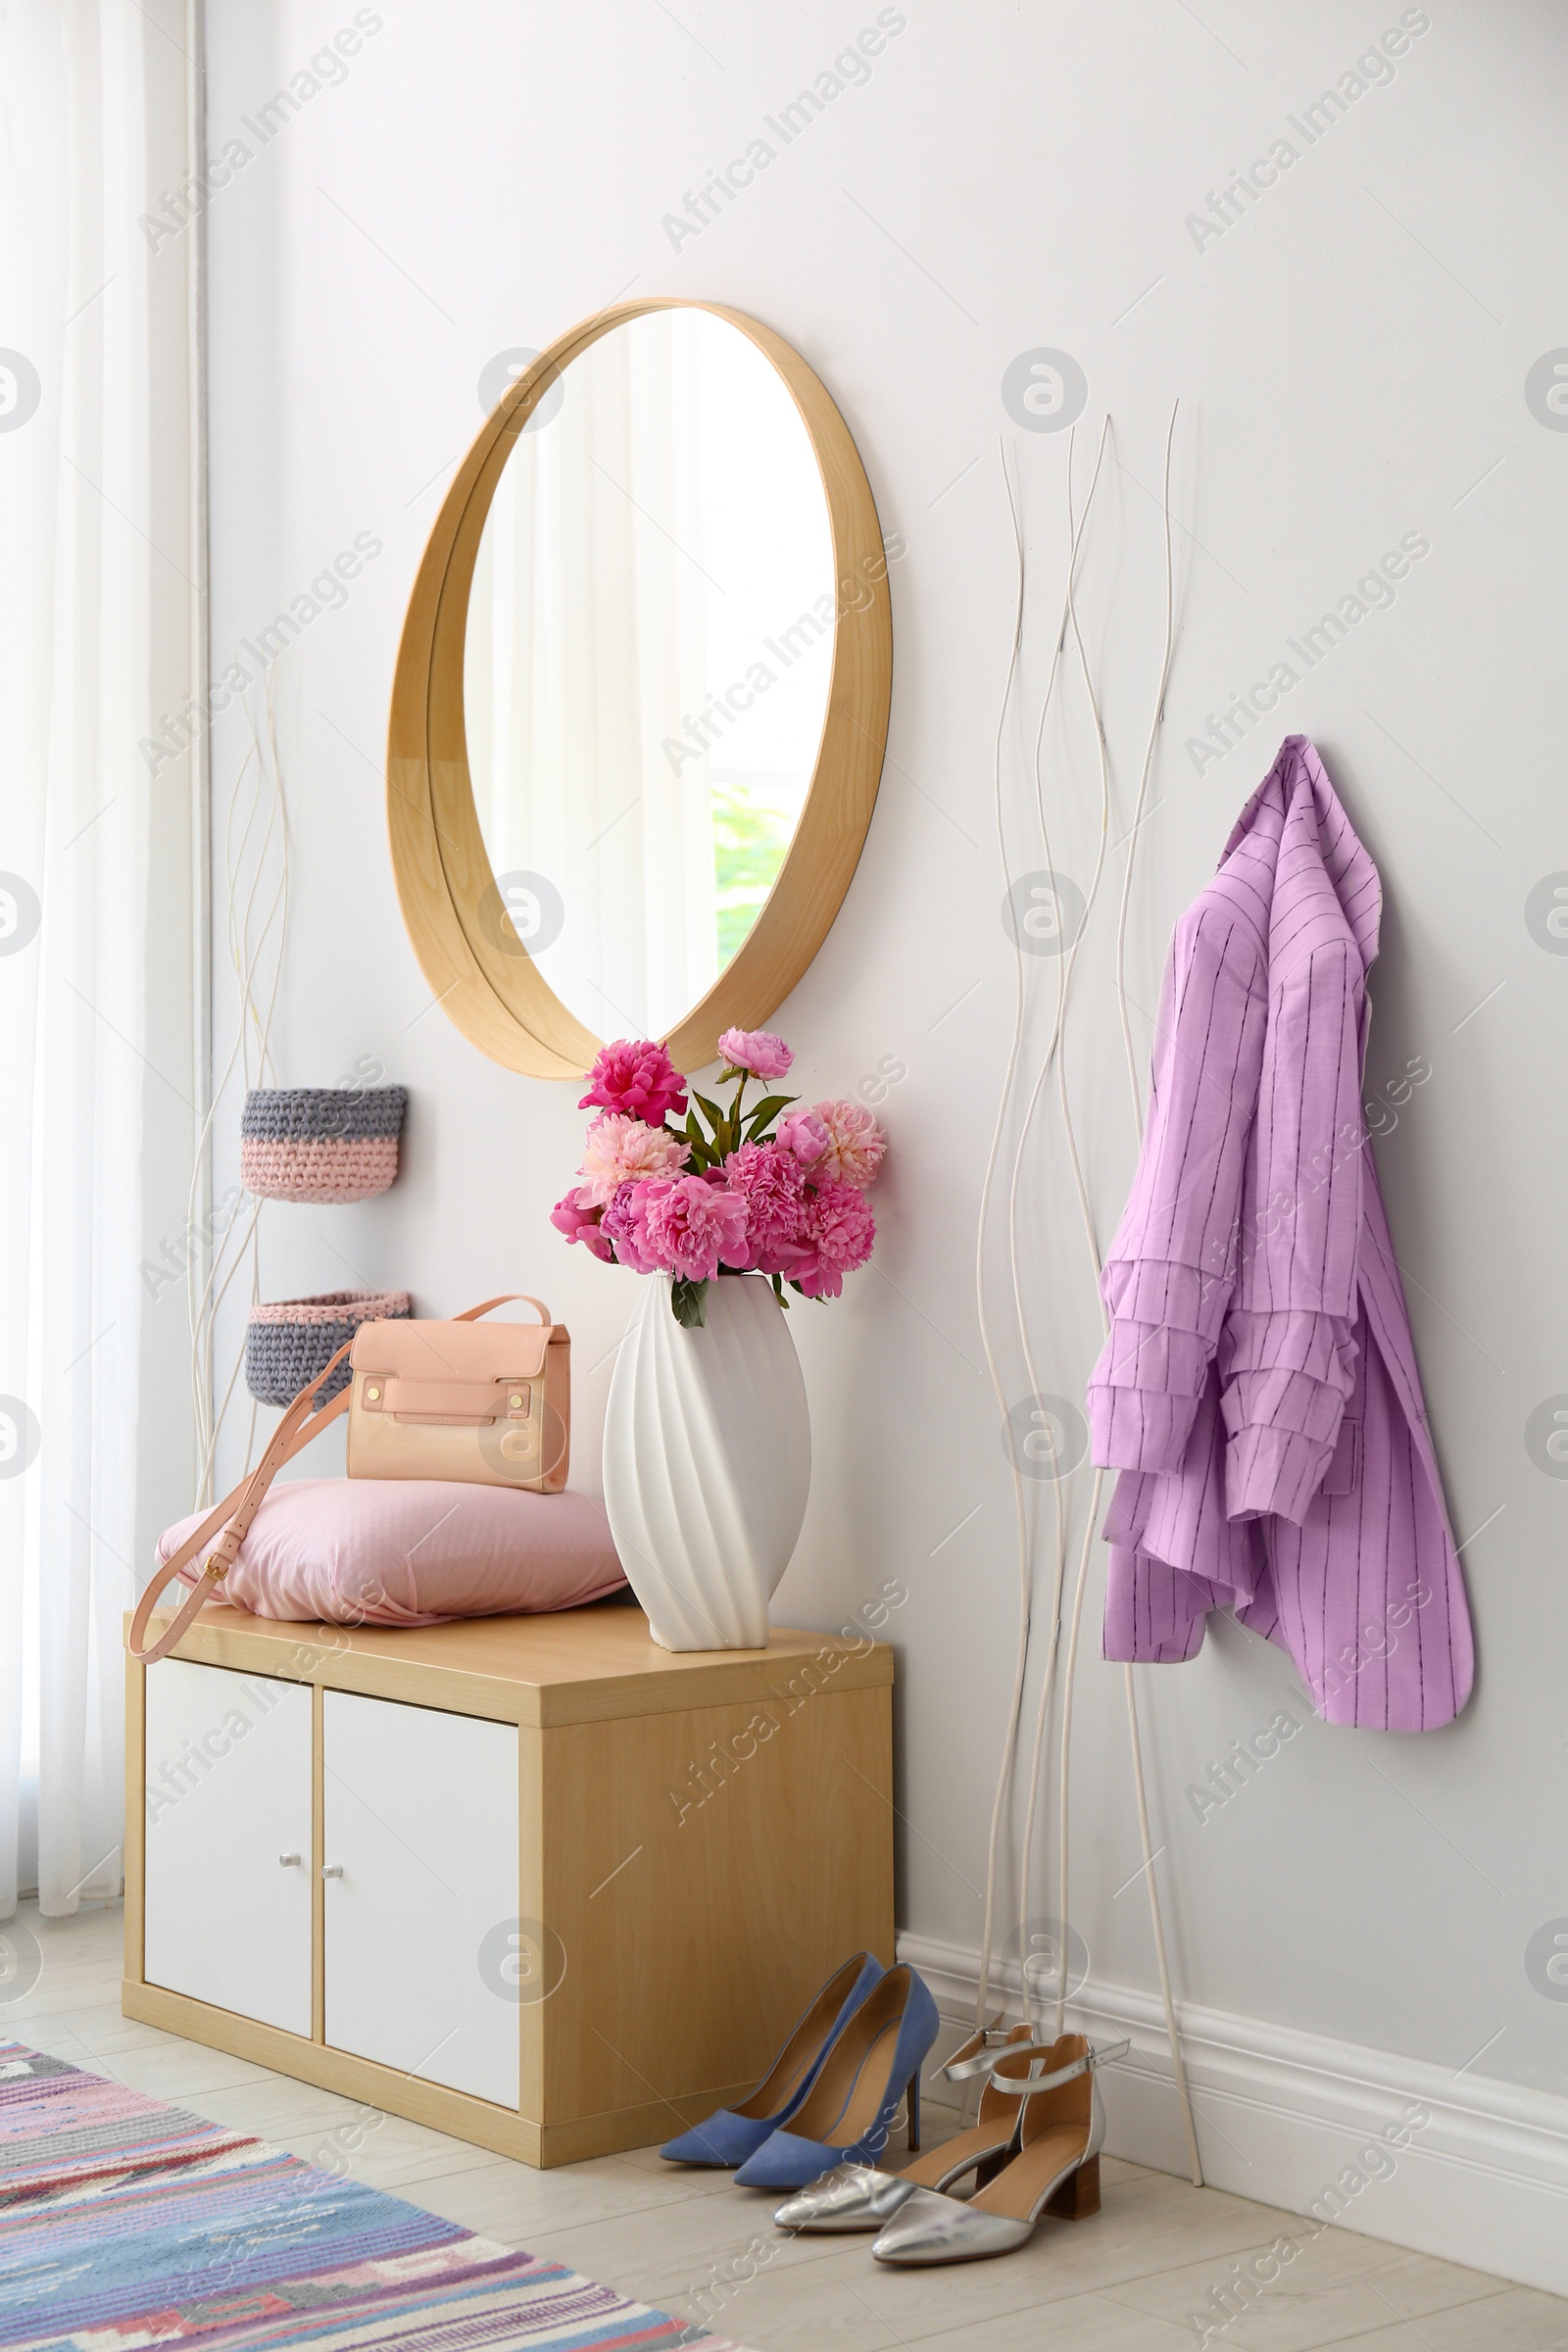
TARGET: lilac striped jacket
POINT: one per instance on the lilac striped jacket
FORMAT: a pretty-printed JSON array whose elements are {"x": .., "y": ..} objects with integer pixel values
[{"x": 1259, "y": 1392}]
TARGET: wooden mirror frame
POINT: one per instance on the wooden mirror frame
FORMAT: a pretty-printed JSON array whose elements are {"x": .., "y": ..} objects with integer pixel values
[{"x": 495, "y": 992}]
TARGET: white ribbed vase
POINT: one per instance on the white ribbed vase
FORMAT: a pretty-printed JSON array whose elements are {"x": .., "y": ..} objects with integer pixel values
[{"x": 708, "y": 1461}]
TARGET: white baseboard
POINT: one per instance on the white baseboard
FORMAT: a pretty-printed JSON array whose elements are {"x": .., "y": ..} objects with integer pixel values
[{"x": 1280, "y": 2113}]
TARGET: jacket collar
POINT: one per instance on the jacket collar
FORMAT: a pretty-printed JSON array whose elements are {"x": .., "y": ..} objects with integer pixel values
[{"x": 1295, "y": 823}]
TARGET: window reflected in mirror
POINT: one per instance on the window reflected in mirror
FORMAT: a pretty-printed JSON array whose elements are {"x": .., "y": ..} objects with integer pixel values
[{"x": 647, "y": 664}]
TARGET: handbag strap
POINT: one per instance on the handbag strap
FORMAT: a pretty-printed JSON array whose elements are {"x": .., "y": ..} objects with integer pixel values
[
  {"x": 472, "y": 1315},
  {"x": 238, "y": 1510}
]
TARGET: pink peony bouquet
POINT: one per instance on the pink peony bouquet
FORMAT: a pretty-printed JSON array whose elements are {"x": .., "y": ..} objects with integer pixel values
[{"x": 766, "y": 1188}]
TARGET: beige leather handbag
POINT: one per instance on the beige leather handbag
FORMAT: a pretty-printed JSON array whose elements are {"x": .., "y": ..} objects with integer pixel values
[
  {"x": 489, "y": 1404},
  {"x": 486, "y": 1405}
]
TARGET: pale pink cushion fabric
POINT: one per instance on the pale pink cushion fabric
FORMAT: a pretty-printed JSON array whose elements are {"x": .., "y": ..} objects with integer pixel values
[{"x": 413, "y": 1551}]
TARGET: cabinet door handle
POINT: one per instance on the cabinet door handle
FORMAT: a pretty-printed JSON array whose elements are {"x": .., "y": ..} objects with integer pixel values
[
  {"x": 331, "y": 1870},
  {"x": 285, "y": 1860}
]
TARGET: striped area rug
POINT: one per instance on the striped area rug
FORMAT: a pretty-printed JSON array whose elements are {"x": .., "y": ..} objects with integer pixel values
[{"x": 126, "y": 2222}]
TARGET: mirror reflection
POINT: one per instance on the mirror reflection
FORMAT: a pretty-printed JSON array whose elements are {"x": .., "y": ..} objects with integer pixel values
[{"x": 649, "y": 650}]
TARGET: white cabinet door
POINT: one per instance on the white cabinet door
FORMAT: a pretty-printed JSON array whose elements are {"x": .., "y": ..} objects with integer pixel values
[
  {"x": 421, "y": 1845},
  {"x": 228, "y": 1841}
]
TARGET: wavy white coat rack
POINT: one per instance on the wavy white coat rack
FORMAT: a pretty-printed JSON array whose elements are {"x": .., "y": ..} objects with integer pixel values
[{"x": 1056, "y": 1053}]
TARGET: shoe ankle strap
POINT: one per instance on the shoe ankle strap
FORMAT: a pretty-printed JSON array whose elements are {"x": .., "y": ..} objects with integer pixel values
[
  {"x": 979, "y": 2054},
  {"x": 1024, "y": 2087},
  {"x": 964, "y": 2068}
]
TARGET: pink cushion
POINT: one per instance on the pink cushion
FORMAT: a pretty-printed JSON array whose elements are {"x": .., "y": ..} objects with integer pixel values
[{"x": 411, "y": 1551}]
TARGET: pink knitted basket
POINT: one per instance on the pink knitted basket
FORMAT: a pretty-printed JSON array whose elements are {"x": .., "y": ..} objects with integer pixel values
[
  {"x": 287, "y": 1343},
  {"x": 320, "y": 1143}
]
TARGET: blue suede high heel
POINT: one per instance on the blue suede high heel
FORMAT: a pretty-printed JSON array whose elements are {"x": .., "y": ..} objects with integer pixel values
[
  {"x": 733, "y": 2134},
  {"x": 848, "y": 2113}
]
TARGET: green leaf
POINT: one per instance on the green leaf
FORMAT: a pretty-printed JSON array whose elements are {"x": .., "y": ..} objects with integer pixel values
[
  {"x": 709, "y": 1110},
  {"x": 697, "y": 1144},
  {"x": 766, "y": 1109},
  {"x": 689, "y": 1303}
]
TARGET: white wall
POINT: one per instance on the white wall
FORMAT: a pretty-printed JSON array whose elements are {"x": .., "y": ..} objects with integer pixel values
[{"x": 1351, "y": 362}]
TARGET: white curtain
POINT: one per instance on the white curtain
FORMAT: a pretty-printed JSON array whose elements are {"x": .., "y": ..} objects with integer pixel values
[
  {"x": 586, "y": 651},
  {"x": 99, "y": 622}
]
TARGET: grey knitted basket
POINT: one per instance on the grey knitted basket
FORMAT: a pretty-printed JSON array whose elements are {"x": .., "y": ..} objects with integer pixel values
[
  {"x": 320, "y": 1143},
  {"x": 288, "y": 1344}
]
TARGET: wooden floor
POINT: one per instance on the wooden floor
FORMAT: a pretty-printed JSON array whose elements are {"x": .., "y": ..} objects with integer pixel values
[{"x": 692, "y": 2243}]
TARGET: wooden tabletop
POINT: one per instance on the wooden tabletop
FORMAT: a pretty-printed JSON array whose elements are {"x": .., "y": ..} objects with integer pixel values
[{"x": 571, "y": 1666}]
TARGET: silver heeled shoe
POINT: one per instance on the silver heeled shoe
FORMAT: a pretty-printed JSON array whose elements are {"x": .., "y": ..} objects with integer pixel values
[
  {"x": 858, "y": 2196},
  {"x": 1061, "y": 2128}
]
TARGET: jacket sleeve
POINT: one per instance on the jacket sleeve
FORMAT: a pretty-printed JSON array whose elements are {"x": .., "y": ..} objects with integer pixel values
[
  {"x": 1169, "y": 1273},
  {"x": 1288, "y": 1351}
]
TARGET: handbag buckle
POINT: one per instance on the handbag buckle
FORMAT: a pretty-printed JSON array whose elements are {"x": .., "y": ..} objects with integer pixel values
[{"x": 216, "y": 1568}]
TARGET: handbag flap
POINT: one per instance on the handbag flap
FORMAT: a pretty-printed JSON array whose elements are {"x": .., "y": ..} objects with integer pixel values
[{"x": 424, "y": 1350}]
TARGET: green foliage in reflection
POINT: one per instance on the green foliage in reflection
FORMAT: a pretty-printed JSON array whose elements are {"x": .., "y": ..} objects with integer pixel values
[{"x": 753, "y": 822}]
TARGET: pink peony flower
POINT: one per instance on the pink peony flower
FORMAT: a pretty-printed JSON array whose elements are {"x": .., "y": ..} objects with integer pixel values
[
  {"x": 691, "y": 1225},
  {"x": 806, "y": 1135},
  {"x": 625, "y": 1226},
  {"x": 771, "y": 1182},
  {"x": 758, "y": 1051},
  {"x": 838, "y": 1231},
  {"x": 855, "y": 1141},
  {"x": 622, "y": 1151},
  {"x": 635, "y": 1076},
  {"x": 577, "y": 1217}
]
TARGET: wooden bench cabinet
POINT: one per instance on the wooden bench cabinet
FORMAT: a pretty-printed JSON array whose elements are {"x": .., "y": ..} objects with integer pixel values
[{"x": 530, "y": 1879}]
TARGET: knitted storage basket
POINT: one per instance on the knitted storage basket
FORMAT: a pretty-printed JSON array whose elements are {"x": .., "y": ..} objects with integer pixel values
[
  {"x": 320, "y": 1143},
  {"x": 288, "y": 1344}
]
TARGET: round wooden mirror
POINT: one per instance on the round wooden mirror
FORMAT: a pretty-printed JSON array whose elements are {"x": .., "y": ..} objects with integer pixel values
[{"x": 641, "y": 697}]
